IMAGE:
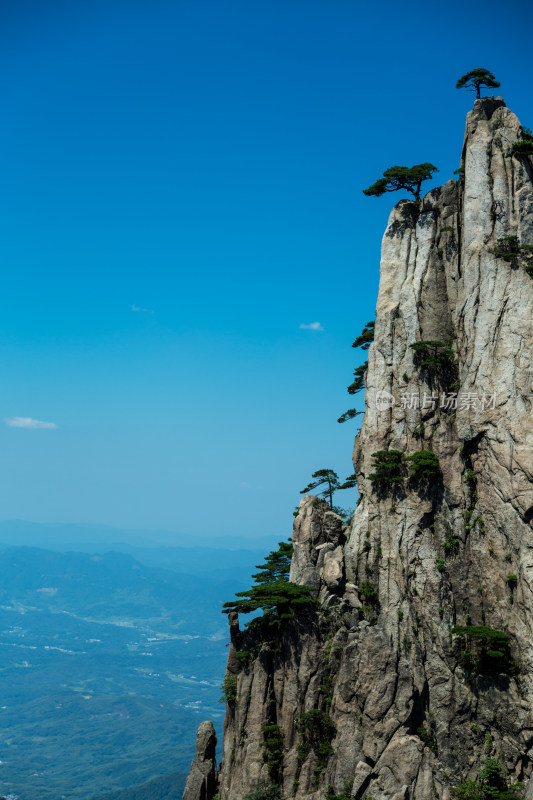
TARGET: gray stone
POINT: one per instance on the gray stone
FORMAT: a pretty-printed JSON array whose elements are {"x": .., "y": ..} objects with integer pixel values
[
  {"x": 362, "y": 771},
  {"x": 202, "y": 781},
  {"x": 332, "y": 572}
]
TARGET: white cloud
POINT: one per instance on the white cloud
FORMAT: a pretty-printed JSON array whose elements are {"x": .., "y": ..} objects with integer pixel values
[
  {"x": 28, "y": 422},
  {"x": 313, "y": 326},
  {"x": 142, "y": 310}
]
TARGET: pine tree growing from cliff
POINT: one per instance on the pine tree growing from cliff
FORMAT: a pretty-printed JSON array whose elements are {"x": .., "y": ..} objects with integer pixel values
[
  {"x": 366, "y": 337},
  {"x": 352, "y": 413},
  {"x": 350, "y": 482},
  {"x": 396, "y": 178},
  {"x": 359, "y": 379},
  {"x": 272, "y": 594},
  {"x": 364, "y": 340},
  {"x": 277, "y": 565},
  {"x": 477, "y": 79}
]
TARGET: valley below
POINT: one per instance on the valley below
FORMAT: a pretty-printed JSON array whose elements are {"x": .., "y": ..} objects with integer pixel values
[{"x": 107, "y": 666}]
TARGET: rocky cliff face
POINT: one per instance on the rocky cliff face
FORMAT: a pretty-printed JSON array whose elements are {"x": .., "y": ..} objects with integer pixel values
[{"x": 373, "y": 694}]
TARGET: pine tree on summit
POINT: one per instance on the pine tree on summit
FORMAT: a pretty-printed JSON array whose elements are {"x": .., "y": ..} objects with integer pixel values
[
  {"x": 477, "y": 79},
  {"x": 330, "y": 479},
  {"x": 324, "y": 476}
]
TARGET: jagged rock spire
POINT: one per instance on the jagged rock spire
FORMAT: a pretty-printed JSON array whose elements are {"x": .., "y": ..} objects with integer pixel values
[{"x": 202, "y": 780}]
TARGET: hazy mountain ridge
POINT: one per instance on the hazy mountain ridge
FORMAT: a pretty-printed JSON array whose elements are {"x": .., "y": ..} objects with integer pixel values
[
  {"x": 88, "y": 583},
  {"x": 76, "y": 536}
]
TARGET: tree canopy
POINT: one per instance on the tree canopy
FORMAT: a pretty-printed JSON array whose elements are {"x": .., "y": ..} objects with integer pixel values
[
  {"x": 396, "y": 178},
  {"x": 272, "y": 593},
  {"x": 326, "y": 477},
  {"x": 387, "y": 468},
  {"x": 484, "y": 649},
  {"x": 425, "y": 465},
  {"x": 433, "y": 353},
  {"x": 352, "y": 413},
  {"x": 277, "y": 565},
  {"x": 365, "y": 339},
  {"x": 359, "y": 379},
  {"x": 330, "y": 480},
  {"x": 477, "y": 79},
  {"x": 491, "y": 784},
  {"x": 350, "y": 482}
]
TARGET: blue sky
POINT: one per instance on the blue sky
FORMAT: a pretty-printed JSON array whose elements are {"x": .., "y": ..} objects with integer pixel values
[{"x": 181, "y": 191}]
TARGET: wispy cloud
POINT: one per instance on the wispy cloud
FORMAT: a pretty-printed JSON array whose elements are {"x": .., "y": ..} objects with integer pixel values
[
  {"x": 28, "y": 422},
  {"x": 142, "y": 310},
  {"x": 313, "y": 326}
]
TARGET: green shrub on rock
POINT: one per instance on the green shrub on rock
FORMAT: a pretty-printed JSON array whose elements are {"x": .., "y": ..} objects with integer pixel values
[
  {"x": 369, "y": 592},
  {"x": 388, "y": 469},
  {"x": 484, "y": 649},
  {"x": 523, "y": 148},
  {"x": 273, "y": 748},
  {"x": 316, "y": 730},
  {"x": 433, "y": 354},
  {"x": 265, "y": 790},
  {"x": 246, "y": 656},
  {"x": 346, "y": 793},
  {"x": 424, "y": 465},
  {"x": 228, "y": 688},
  {"x": 491, "y": 783},
  {"x": 507, "y": 248},
  {"x": 428, "y": 737},
  {"x": 352, "y": 413}
]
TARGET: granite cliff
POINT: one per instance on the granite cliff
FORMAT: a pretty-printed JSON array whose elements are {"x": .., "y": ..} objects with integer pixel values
[{"x": 376, "y": 692}]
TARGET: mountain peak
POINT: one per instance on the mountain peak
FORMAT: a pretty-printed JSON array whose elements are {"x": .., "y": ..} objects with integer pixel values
[{"x": 420, "y": 653}]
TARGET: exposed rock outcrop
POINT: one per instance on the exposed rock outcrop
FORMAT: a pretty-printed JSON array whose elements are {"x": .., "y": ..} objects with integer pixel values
[
  {"x": 203, "y": 778},
  {"x": 396, "y": 711}
]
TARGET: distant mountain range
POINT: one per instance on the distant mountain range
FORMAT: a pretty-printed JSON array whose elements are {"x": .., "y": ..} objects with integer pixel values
[{"x": 80, "y": 536}]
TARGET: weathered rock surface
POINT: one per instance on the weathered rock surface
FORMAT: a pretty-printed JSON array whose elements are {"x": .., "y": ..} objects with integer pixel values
[
  {"x": 203, "y": 778},
  {"x": 407, "y": 721}
]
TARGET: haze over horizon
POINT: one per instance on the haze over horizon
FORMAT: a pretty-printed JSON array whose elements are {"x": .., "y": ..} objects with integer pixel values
[
  {"x": 188, "y": 252},
  {"x": 105, "y": 537}
]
